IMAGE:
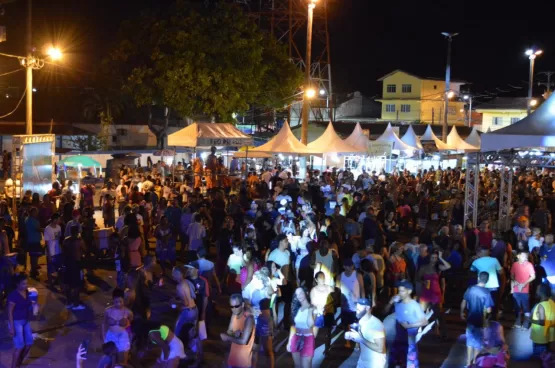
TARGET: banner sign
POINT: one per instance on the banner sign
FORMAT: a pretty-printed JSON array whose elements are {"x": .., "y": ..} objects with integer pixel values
[
  {"x": 237, "y": 142},
  {"x": 380, "y": 148},
  {"x": 429, "y": 146}
]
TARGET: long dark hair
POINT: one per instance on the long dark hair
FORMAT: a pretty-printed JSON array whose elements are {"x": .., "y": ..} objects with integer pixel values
[{"x": 296, "y": 304}]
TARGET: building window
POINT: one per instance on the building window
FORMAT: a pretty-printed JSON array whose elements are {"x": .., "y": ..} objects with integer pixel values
[
  {"x": 435, "y": 86},
  {"x": 514, "y": 120},
  {"x": 405, "y": 108},
  {"x": 452, "y": 110},
  {"x": 497, "y": 120},
  {"x": 391, "y": 88},
  {"x": 390, "y": 108},
  {"x": 407, "y": 88}
]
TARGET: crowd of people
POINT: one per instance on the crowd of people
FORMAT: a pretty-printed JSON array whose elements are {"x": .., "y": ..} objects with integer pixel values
[{"x": 332, "y": 253}]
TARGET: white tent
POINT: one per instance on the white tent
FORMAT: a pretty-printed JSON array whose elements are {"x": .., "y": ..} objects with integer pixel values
[
  {"x": 286, "y": 142},
  {"x": 329, "y": 141},
  {"x": 208, "y": 135},
  {"x": 390, "y": 136},
  {"x": 411, "y": 139},
  {"x": 474, "y": 138},
  {"x": 535, "y": 130},
  {"x": 455, "y": 140},
  {"x": 430, "y": 136},
  {"x": 358, "y": 139}
]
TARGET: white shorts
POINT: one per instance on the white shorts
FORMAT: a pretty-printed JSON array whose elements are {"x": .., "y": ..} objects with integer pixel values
[{"x": 176, "y": 349}]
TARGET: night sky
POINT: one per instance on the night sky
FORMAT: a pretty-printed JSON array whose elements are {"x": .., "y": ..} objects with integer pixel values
[{"x": 368, "y": 39}]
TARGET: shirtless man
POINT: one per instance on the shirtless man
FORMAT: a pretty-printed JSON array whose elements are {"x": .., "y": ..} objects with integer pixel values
[
  {"x": 186, "y": 325},
  {"x": 321, "y": 297}
]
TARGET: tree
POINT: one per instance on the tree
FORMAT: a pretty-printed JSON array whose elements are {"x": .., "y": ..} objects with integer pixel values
[
  {"x": 198, "y": 61},
  {"x": 105, "y": 106}
]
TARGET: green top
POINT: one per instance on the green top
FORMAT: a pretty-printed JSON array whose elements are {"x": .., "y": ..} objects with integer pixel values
[{"x": 164, "y": 332}]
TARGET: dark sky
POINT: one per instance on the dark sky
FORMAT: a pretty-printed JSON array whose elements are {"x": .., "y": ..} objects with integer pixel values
[{"x": 369, "y": 38}]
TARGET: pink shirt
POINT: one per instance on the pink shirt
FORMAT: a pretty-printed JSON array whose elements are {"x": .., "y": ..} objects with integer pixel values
[{"x": 522, "y": 273}]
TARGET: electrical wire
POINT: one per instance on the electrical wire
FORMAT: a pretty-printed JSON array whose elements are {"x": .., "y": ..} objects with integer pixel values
[
  {"x": 13, "y": 71},
  {"x": 17, "y": 106}
]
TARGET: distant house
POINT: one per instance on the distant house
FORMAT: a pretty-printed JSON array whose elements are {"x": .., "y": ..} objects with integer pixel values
[
  {"x": 501, "y": 112},
  {"x": 407, "y": 97},
  {"x": 357, "y": 107}
]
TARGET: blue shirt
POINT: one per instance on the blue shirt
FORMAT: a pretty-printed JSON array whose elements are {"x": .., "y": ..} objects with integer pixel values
[
  {"x": 410, "y": 313},
  {"x": 491, "y": 266},
  {"x": 455, "y": 260},
  {"x": 477, "y": 299},
  {"x": 32, "y": 227},
  {"x": 174, "y": 215}
]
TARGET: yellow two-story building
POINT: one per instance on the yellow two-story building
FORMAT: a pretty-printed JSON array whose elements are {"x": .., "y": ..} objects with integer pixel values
[{"x": 408, "y": 98}]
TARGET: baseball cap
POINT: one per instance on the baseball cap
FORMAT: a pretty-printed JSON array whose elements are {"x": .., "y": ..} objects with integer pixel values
[
  {"x": 406, "y": 284},
  {"x": 193, "y": 264},
  {"x": 364, "y": 301}
]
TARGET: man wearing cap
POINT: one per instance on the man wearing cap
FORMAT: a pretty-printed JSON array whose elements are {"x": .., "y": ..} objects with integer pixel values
[
  {"x": 410, "y": 318},
  {"x": 52, "y": 236},
  {"x": 202, "y": 292},
  {"x": 370, "y": 334}
]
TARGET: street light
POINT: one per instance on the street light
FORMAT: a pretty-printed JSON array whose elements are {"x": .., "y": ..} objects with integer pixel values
[
  {"x": 308, "y": 63},
  {"x": 532, "y": 54},
  {"x": 533, "y": 103},
  {"x": 450, "y": 94},
  {"x": 54, "y": 53},
  {"x": 310, "y": 93},
  {"x": 469, "y": 99},
  {"x": 449, "y": 37},
  {"x": 322, "y": 92}
]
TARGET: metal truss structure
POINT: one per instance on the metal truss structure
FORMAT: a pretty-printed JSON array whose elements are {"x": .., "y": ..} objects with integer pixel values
[
  {"x": 287, "y": 21},
  {"x": 505, "y": 161}
]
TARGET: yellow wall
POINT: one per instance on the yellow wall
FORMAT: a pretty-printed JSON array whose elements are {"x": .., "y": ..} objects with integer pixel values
[
  {"x": 425, "y": 100},
  {"x": 506, "y": 115}
]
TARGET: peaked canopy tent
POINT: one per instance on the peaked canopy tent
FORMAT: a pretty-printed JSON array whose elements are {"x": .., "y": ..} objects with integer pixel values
[
  {"x": 431, "y": 137},
  {"x": 535, "y": 130},
  {"x": 455, "y": 140},
  {"x": 390, "y": 136},
  {"x": 411, "y": 139},
  {"x": 358, "y": 139},
  {"x": 286, "y": 142},
  {"x": 329, "y": 141},
  {"x": 208, "y": 135},
  {"x": 474, "y": 138}
]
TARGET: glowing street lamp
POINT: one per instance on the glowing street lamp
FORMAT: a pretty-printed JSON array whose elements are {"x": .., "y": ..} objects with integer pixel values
[
  {"x": 310, "y": 93},
  {"x": 533, "y": 103},
  {"x": 54, "y": 53},
  {"x": 532, "y": 54},
  {"x": 322, "y": 92},
  {"x": 308, "y": 63},
  {"x": 450, "y": 94}
]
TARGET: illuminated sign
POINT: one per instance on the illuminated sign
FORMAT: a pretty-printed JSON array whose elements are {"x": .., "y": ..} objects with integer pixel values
[
  {"x": 380, "y": 148},
  {"x": 35, "y": 138},
  {"x": 237, "y": 142}
]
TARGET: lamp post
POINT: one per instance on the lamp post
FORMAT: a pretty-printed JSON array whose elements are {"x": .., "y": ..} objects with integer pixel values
[
  {"x": 447, "y": 85},
  {"x": 469, "y": 99},
  {"x": 532, "y": 54},
  {"x": 306, "y": 105}
]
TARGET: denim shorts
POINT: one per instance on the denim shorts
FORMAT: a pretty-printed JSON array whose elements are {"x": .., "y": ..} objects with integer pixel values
[
  {"x": 121, "y": 339},
  {"x": 474, "y": 337},
  {"x": 23, "y": 335}
]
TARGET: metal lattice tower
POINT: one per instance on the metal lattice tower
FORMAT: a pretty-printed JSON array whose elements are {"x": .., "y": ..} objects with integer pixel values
[{"x": 287, "y": 21}]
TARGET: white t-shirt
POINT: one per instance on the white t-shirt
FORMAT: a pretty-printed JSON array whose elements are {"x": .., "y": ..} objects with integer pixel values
[
  {"x": 370, "y": 329},
  {"x": 196, "y": 232},
  {"x": 205, "y": 265},
  {"x": 235, "y": 263},
  {"x": 52, "y": 237},
  {"x": 281, "y": 258},
  {"x": 534, "y": 243}
]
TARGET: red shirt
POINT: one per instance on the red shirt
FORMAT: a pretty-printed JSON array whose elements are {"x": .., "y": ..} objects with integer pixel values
[
  {"x": 522, "y": 273},
  {"x": 485, "y": 239}
]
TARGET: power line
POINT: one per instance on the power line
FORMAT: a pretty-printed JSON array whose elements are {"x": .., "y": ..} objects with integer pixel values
[
  {"x": 13, "y": 71},
  {"x": 16, "y": 107}
]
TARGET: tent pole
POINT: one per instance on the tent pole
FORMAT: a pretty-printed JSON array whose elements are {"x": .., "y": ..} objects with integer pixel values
[{"x": 247, "y": 162}]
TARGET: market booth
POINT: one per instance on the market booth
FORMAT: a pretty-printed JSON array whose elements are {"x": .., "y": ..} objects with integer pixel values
[{"x": 334, "y": 150}]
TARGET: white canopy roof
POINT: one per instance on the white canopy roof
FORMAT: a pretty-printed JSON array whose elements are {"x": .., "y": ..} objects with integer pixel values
[
  {"x": 430, "y": 136},
  {"x": 209, "y": 134},
  {"x": 390, "y": 136},
  {"x": 329, "y": 141},
  {"x": 286, "y": 142},
  {"x": 358, "y": 139},
  {"x": 474, "y": 138},
  {"x": 455, "y": 140},
  {"x": 411, "y": 139},
  {"x": 535, "y": 130}
]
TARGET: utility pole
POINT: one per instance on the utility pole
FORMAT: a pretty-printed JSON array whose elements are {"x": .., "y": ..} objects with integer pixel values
[
  {"x": 29, "y": 70},
  {"x": 449, "y": 37},
  {"x": 306, "y": 104},
  {"x": 548, "y": 84}
]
